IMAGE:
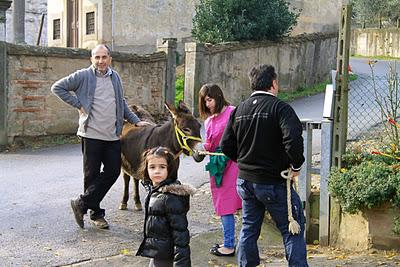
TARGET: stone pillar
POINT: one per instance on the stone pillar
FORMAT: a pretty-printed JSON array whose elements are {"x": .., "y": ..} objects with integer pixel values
[
  {"x": 194, "y": 69},
  {"x": 3, "y": 96},
  {"x": 168, "y": 45},
  {"x": 19, "y": 21},
  {"x": 4, "y": 5}
]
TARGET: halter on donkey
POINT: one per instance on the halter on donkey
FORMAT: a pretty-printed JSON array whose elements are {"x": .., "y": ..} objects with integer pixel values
[{"x": 182, "y": 138}]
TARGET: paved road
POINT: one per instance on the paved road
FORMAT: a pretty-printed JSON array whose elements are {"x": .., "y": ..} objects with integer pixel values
[
  {"x": 362, "y": 107},
  {"x": 36, "y": 225}
]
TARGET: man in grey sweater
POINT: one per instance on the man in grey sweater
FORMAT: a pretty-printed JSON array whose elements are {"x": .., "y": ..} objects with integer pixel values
[{"x": 98, "y": 95}]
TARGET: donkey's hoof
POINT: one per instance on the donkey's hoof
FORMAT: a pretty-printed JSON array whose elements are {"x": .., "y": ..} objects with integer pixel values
[
  {"x": 123, "y": 206},
  {"x": 138, "y": 207}
]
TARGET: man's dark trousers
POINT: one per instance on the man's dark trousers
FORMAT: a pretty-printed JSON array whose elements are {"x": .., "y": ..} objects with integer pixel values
[
  {"x": 256, "y": 198},
  {"x": 97, "y": 182}
]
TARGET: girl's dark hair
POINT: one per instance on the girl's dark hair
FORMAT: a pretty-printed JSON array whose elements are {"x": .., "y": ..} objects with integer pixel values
[
  {"x": 213, "y": 91},
  {"x": 261, "y": 77},
  {"x": 162, "y": 152}
]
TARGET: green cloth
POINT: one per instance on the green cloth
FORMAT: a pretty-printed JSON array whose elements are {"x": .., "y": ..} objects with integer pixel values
[{"x": 216, "y": 166}]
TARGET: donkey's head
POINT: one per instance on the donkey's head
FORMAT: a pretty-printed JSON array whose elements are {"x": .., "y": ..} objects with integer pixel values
[{"x": 187, "y": 127}]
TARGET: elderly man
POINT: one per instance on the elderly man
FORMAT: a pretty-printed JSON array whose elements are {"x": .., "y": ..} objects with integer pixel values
[{"x": 97, "y": 93}]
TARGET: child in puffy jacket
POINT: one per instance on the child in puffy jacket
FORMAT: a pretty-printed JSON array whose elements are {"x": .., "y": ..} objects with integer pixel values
[{"x": 166, "y": 235}]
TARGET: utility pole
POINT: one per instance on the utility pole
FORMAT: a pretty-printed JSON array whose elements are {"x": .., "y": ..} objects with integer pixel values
[
  {"x": 19, "y": 21},
  {"x": 4, "y": 5},
  {"x": 340, "y": 117}
]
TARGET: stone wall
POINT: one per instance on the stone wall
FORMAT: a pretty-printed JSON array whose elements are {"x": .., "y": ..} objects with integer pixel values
[
  {"x": 299, "y": 61},
  {"x": 376, "y": 42},
  {"x": 372, "y": 228},
  {"x": 33, "y": 14},
  {"x": 32, "y": 110}
]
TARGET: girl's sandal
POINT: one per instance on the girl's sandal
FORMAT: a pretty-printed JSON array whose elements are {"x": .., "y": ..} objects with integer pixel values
[{"x": 216, "y": 252}]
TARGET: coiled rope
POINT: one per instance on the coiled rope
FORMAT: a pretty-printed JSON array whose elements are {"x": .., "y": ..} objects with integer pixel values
[{"x": 294, "y": 226}]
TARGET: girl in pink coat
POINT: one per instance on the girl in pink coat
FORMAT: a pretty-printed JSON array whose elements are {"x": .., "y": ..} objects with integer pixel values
[{"x": 216, "y": 110}]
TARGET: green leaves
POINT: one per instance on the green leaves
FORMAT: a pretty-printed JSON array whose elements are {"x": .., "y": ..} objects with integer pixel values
[
  {"x": 219, "y": 21},
  {"x": 375, "y": 10},
  {"x": 367, "y": 184}
]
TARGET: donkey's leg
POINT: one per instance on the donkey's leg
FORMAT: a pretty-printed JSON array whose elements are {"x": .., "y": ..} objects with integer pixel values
[
  {"x": 124, "y": 202},
  {"x": 136, "y": 196}
]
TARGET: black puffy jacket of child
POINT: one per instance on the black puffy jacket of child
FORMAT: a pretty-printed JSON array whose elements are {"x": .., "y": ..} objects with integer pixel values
[{"x": 166, "y": 234}]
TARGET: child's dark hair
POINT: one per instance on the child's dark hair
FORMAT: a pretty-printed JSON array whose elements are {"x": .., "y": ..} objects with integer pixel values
[{"x": 162, "y": 152}]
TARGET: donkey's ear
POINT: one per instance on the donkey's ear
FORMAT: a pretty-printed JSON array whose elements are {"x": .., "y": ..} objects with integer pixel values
[
  {"x": 171, "y": 109},
  {"x": 183, "y": 107}
]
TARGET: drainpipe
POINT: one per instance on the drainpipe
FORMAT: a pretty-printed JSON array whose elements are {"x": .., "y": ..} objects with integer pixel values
[{"x": 112, "y": 23}]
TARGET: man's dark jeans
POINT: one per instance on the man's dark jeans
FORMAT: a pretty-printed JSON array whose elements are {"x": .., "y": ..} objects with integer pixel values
[
  {"x": 97, "y": 182},
  {"x": 256, "y": 198}
]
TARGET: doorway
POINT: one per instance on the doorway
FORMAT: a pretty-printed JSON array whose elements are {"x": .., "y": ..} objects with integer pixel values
[{"x": 72, "y": 23}]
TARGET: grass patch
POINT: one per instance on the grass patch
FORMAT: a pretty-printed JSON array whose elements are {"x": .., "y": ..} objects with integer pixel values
[
  {"x": 377, "y": 57},
  {"x": 353, "y": 77},
  {"x": 303, "y": 92}
]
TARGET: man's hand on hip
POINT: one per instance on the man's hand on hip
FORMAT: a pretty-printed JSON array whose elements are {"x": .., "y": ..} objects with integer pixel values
[
  {"x": 143, "y": 124},
  {"x": 82, "y": 111},
  {"x": 295, "y": 174}
]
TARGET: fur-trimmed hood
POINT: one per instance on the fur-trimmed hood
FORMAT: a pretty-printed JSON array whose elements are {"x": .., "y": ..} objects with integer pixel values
[{"x": 178, "y": 189}]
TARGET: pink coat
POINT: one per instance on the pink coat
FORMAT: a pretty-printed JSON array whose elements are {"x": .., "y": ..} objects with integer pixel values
[{"x": 225, "y": 198}]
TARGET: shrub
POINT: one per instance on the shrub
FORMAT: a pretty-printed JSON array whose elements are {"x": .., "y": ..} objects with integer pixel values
[
  {"x": 366, "y": 185},
  {"x": 239, "y": 20}
]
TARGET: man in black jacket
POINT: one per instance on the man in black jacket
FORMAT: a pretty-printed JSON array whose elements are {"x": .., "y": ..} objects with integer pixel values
[{"x": 264, "y": 136}]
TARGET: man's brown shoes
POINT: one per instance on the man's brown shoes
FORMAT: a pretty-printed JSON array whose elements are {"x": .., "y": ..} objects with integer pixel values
[
  {"x": 77, "y": 212},
  {"x": 100, "y": 223}
]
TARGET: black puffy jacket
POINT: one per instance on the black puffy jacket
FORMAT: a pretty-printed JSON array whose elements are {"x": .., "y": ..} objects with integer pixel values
[{"x": 166, "y": 234}]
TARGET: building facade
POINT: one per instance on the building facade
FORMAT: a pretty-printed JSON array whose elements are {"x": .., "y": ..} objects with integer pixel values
[
  {"x": 135, "y": 25},
  {"x": 35, "y": 12}
]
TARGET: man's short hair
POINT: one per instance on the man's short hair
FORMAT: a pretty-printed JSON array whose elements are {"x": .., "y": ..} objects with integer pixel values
[
  {"x": 261, "y": 77},
  {"x": 101, "y": 46}
]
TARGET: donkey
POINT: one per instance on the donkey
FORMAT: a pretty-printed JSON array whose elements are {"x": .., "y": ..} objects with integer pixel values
[{"x": 180, "y": 134}]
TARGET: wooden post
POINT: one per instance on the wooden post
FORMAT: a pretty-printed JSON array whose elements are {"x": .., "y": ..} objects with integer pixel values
[{"x": 340, "y": 110}]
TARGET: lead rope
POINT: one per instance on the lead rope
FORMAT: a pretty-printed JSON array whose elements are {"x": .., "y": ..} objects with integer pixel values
[
  {"x": 206, "y": 153},
  {"x": 294, "y": 226}
]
